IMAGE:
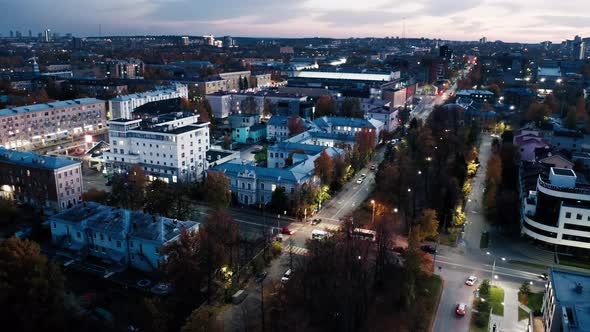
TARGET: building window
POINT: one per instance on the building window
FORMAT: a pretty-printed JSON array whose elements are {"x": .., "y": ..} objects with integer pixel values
[
  {"x": 118, "y": 244},
  {"x": 78, "y": 235},
  {"x": 578, "y": 216},
  {"x": 568, "y": 215},
  {"x": 101, "y": 237}
]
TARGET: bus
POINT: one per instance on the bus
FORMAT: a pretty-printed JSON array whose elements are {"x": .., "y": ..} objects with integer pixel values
[
  {"x": 364, "y": 234},
  {"x": 318, "y": 234}
]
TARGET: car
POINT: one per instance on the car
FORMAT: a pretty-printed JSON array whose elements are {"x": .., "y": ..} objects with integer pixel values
[
  {"x": 461, "y": 309},
  {"x": 287, "y": 231},
  {"x": 261, "y": 276},
  {"x": 471, "y": 281},
  {"x": 429, "y": 249},
  {"x": 363, "y": 176},
  {"x": 286, "y": 276},
  {"x": 544, "y": 276},
  {"x": 359, "y": 181},
  {"x": 316, "y": 221},
  {"x": 373, "y": 167}
]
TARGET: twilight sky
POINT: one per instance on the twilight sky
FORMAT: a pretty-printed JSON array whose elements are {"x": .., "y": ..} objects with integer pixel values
[{"x": 508, "y": 20}]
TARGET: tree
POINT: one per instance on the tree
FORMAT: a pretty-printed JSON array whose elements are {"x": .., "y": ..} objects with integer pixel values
[
  {"x": 183, "y": 267},
  {"x": 325, "y": 106},
  {"x": 8, "y": 211},
  {"x": 295, "y": 125},
  {"x": 537, "y": 112},
  {"x": 158, "y": 198},
  {"x": 551, "y": 103},
  {"x": 245, "y": 83},
  {"x": 279, "y": 200},
  {"x": 351, "y": 107},
  {"x": 95, "y": 195},
  {"x": 31, "y": 288},
  {"x": 570, "y": 119},
  {"x": 268, "y": 109},
  {"x": 249, "y": 106},
  {"x": 218, "y": 189},
  {"x": 128, "y": 189},
  {"x": 581, "y": 115},
  {"x": 365, "y": 143},
  {"x": 202, "y": 319},
  {"x": 428, "y": 224},
  {"x": 494, "y": 169},
  {"x": 324, "y": 167},
  {"x": 484, "y": 289}
]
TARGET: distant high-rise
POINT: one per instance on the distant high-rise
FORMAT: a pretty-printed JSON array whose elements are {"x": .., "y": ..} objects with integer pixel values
[
  {"x": 47, "y": 36},
  {"x": 209, "y": 40},
  {"x": 578, "y": 48},
  {"x": 445, "y": 52},
  {"x": 185, "y": 40},
  {"x": 228, "y": 41},
  {"x": 11, "y": 34},
  {"x": 483, "y": 40},
  {"x": 39, "y": 35},
  {"x": 18, "y": 34},
  {"x": 30, "y": 34},
  {"x": 76, "y": 43}
]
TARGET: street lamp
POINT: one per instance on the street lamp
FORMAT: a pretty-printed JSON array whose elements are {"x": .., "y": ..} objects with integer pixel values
[
  {"x": 494, "y": 276},
  {"x": 373, "y": 217}
]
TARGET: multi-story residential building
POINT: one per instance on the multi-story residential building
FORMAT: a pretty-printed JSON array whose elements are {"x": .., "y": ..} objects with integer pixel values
[
  {"x": 212, "y": 84},
  {"x": 557, "y": 211},
  {"x": 386, "y": 115},
  {"x": 126, "y": 68},
  {"x": 225, "y": 103},
  {"x": 50, "y": 183},
  {"x": 20, "y": 127},
  {"x": 233, "y": 79},
  {"x": 169, "y": 147},
  {"x": 566, "y": 304},
  {"x": 254, "y": 185},
  {"x": 282, "y": 154},
  {"x": 221, "y": 104},
  {"x": 123, "y": 237},
  {"x": 277, "y": 128},
  {"x": 348, "y": 126},
  {"x": 122, "y": 107},
  {"x": 261, "y": 80},
  {"x": 249, "y": 135},
  {"x": 243, "y": 120},
  {"x": 570, "y": 141},
  {"x": 482, "y": 96}
]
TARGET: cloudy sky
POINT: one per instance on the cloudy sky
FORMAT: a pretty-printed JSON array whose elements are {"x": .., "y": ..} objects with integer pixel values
[{"x": 508, "y": 20}]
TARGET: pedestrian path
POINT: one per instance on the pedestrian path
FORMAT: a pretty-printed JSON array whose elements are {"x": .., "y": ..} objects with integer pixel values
[{"x": 296, "y": 250}]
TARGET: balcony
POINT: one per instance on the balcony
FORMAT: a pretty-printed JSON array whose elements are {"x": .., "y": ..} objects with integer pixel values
[{"x": 579, "y": 191}]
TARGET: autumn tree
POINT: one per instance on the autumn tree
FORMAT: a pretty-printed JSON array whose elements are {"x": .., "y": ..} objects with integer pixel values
[
  {"x": 494, "y": 169},
  {"x": 551, "y": 103},
  {"x": 158, "y": 198},
  {"x": 571, "y": 118},
  {"x": 428, "y": 224},
  {"x": 537, "y": 112},
  {"x": 324, "y": 167},
  {"x": 325, "y": 106},
  {"x": 218, "y": 189},
  {"x": 128, "y": 189},
  {"x": 268, "y": 109},
  {"x": 365, "y": 144},
  {"x": 581, "y": 114},
  {"x": 279, "y": 200},
  {"x": 202, "y": 319},
  {"x": 31, "y": 288},
  {"x": 295, "y": 125}
]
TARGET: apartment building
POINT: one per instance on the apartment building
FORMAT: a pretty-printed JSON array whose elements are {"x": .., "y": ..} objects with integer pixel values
[
  {"x": 169, "y": 147},
  {"x": 21, "y": 127},
  {"x": 348, "y": 126},
  {"x": 566, "y": 304},
  {"x": 125, "y": 68},
  {"x": 122, "y": 237},
  {"x": 122, "y": 107},
  {"x": 277, "y": 128},
  {"x": 50, "y": 183},
  {"x": 557, "y": 211}
]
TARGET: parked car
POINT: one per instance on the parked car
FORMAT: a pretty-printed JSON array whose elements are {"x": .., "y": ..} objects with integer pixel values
[
  {"x": 471, "y": 281},
  {"x": 544, "y": 276},
  {"x": 359, "y": 181},
  {"x": 363, "y": 176},
  {"x": 429, "y": 249},
  {"x": 287, "y": 231},
  {"x": 373, "y": 167},
  {"x": 316, "y": 221},
  {"x": 286, "y": 276},
  {"x": 461, "y": 309},
  {"x": 261, "y": 276}
]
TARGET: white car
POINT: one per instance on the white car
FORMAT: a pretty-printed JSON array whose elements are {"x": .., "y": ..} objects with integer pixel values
[
  {"x": 363, "y": 176},
  {"x": 471, "y": 281},
  {"x": 286, "y": 276},
  {"x": 359, "y": 181}
]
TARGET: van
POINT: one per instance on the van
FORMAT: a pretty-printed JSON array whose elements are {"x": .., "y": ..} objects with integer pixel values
[{"x": 286, "y": 276}]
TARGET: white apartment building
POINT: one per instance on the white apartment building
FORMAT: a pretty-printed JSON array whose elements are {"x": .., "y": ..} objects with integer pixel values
[
  {"x": 221, "y": 104},
  {"x": 21, "y": 127},
  {"x": 122, "y": 237},
  {"x": 170, "y": 147},
  {"x": 122, "y": 107},
  {"x": 386, "y": 115},
  {"x": 277, "y": 128},
  {"x": 558, "y": 211}
]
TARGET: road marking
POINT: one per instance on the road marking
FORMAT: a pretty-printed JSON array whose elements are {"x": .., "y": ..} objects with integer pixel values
[
  {"x": 498, "y": 270},
  {"x": 296, "y": 250}
]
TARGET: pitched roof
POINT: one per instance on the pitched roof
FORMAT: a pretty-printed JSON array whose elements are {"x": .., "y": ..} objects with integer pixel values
[{"x": 30, "y": 159}]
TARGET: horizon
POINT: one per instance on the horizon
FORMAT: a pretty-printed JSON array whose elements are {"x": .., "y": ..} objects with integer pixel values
[{"x": 525, "y": 22}]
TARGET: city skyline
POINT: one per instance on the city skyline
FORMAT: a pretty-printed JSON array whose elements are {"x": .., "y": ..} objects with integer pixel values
[{"x": 528, "y": 21}]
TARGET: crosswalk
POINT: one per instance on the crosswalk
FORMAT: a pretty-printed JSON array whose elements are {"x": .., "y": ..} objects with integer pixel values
[
  {"x": 296, "y": 250},
  {"x": 330, "y": 227}
]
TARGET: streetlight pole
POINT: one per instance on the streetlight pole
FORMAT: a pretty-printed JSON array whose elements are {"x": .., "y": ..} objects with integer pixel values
[
  {"x": 373, "y": 217},
  {"x": 494, "y": 267}
]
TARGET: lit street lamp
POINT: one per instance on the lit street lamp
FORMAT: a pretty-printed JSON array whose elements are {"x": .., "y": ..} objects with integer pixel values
[
  {"x": 373, "y": 217},
  {"x": 494, "y": 276}
]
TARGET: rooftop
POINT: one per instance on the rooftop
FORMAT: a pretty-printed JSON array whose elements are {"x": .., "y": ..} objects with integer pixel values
[
  {"x": 572, "y": 290},
  {"x": 144, "y": 94},
  {"x": 33, "y": 160},
  {"x": 475, "y": 92},
  {"x": 46, "y": 106},
  {"x": 563, "y": 171}
]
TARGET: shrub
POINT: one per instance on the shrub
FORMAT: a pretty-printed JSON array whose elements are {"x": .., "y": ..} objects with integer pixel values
[
  {"x": 484, "y": 289},
  {"x": 480, "y": 320},
  {"x": 277, "y": 248}
]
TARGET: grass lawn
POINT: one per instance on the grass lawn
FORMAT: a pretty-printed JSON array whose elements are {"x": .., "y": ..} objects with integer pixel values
[
  {"x": 570, "y": 261},
  {"x": 496, "y": 299},
  {"x": 522, "y": 315},
  {"x": 484, "y": 241},
  {"x": 432, "y": 287}
]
